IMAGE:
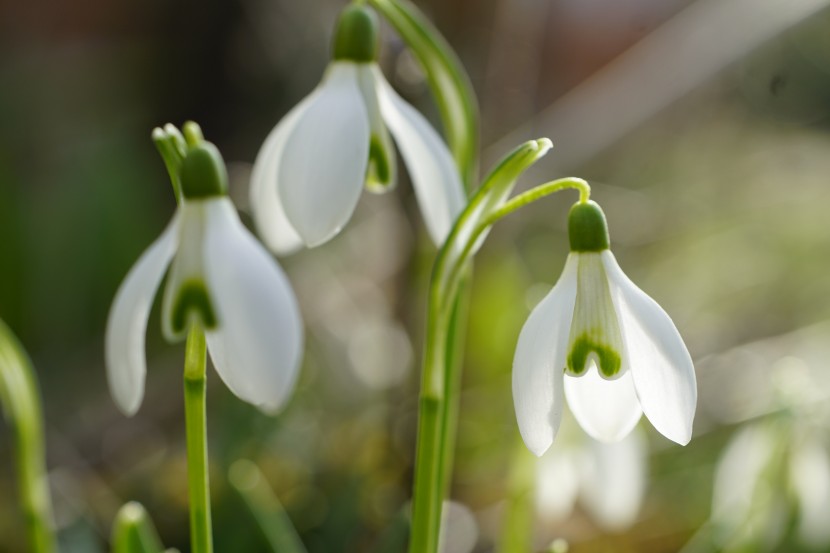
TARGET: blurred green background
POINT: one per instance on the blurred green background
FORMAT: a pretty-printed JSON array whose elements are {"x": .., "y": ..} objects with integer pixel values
[{"x": 703, "y": 127}]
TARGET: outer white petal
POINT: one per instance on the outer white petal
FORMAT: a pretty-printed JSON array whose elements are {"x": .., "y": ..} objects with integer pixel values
[
  {"x": 664, "y": 375},
  {"x": 266, "y": 207},
  {"x": 434, "y": 175},
  {"x": 324, "y": 161},
  {"x": 810, "y": 476},
  {"x": 127, "y": 323},
  {"x": 606, "y": 409},
  {"x": 557, "y": 483},
  {"x": 614, "y": 480},
  {"x": 739, "y": 477},
  {"x": 539, "y": 362},
  {"x": 257, "y": 344}
]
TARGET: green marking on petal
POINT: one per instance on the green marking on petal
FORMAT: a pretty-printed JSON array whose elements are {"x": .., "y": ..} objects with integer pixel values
[
  {"x": 192, "y": 300},
  {"x": 379, "y": 171},
  {"x": 595, "y": 330},
  {"x": 609, "y": 361}
]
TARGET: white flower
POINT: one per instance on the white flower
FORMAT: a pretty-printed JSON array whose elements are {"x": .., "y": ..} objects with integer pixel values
[
  {"x": 220, "y": 278},
  {"x": 609, "y": 479},
  {"x": 604, "y": 344},
  {"x": 311, "y": 169}
]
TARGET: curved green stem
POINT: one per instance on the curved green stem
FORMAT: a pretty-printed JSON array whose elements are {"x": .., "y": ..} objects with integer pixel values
[
  {"x": 447, "y": 79},
  {"x": 21, "y": 404},
  {"x": 198, "y": 479}
]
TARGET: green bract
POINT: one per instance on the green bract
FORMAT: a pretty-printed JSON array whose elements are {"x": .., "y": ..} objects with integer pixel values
[
  {"x": 587, "y": 228},
  {"x": 203, "y": 172},
  {"x": 356, "y": 36}
]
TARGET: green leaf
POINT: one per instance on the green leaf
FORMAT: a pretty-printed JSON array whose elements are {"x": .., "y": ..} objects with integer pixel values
[
  {"x": 449, "y": 82},
  {"x": 20, "y": 400},
  {"x": 133, "y": 531},
  {"x": 250, "y": 483}
]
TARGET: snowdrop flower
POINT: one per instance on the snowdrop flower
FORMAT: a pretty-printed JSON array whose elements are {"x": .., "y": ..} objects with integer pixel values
[
  {"x": 220, "y": 278},
  {"x": 604, "y": 344},
  {"x": 608, "y": 479},
  {"x": 310, "y": 171},
  {"x": 770, "y": 471}
]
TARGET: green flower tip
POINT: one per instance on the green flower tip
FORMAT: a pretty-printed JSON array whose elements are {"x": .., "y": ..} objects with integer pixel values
[
  {"x": 203, "y": 172},
  {"x": 356, "y": 35},
  {"x": 544, "y": 145},
  {"x": 587, "y": 228}
]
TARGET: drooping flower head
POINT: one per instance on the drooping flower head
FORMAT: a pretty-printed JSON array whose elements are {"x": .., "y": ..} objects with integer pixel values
[
  {"x": 311, "y": 169},
  {"x": 600, "y": 341},
  {"x": 220, "y": 278}
]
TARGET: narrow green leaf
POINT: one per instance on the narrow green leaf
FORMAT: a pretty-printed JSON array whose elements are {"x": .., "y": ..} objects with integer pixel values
[
  {"x": 133, "y": 531},
  {"x": 20, "y": 400},
  {"x": 248, "y": 480}
]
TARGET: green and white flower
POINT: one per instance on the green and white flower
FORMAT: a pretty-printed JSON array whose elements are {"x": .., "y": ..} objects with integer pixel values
[
  {"x": 310, "y": 171},
  {"x": 220, "y": 278},
  {"x": 600, "y": 341}
]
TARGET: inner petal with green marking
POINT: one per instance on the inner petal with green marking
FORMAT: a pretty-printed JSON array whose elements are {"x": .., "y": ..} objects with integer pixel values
[
  {"x": 595, "y": 331},
  {"x": 381, "y": 171},
  {"x": 192, "y": 303}
]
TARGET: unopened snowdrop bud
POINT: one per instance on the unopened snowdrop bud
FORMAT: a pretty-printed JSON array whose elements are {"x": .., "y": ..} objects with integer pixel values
[
  {"x": 600, "y": 341},
  {"x": 356, "y": 36}
]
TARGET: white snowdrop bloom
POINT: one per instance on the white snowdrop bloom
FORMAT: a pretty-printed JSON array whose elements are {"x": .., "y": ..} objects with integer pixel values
[
  {"x": 220, "y": 278},
  {"x": 609, "y": 479},
  {"x": 768, "y": 472},
  {"x": 600, "y": 341},
  {"x": 310, "y": 171}
]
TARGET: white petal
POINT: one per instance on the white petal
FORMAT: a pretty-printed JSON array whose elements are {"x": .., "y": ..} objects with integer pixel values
[
  {"x": 257, "y": 344},
  {"x": 127, "y": 324},
  {"x": 557, "y": 483},
  {"x": 324, "y": 161},
  {"x": 614, "y": 480},
  {"x": 810, "y": 475},
  {"x": 539, "y": 362},
  {"x": 664, "y": 375},
  {"x": 266, "y": 207},
  {"x": 434, "y": 174},
  {"x": 606, "y": 409},
  {"x": 739, "y": 475}
]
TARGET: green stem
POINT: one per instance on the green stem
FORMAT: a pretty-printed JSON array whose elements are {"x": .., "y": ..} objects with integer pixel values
[
  {"x": 21, "y": 404},
  {"x": 518, "y": 518},
  {"x": 198, "y": 478}
]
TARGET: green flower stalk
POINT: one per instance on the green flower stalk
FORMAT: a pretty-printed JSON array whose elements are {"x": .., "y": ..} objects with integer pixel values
[{"x": 20, "y": 399}]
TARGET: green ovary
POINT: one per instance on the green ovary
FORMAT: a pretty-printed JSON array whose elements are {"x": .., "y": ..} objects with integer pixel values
[
  {"x": 192, "y": 299},
  {"x": 609, "y": 361}
]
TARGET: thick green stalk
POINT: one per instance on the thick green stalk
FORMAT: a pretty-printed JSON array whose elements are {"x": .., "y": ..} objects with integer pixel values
[
  {"x": 198, "y": 479},
  {"x": 21, "y": 404}
]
